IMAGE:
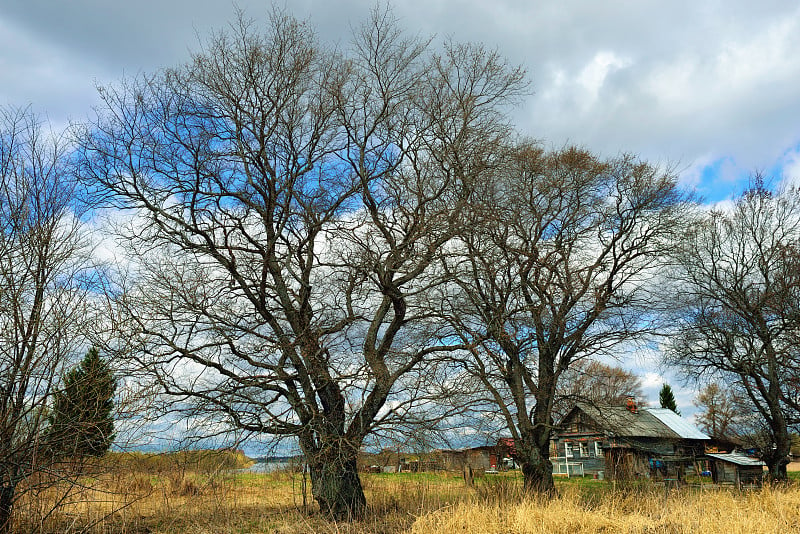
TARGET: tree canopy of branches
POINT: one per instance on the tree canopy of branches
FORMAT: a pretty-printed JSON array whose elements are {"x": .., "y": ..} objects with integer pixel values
[
  {"x": 291, "y": 203},
  {"x": 42, "y": 304},
  {"x": 595, "y": 382},
  {"x": 740, "y": 277},
  {"x": 81, "y": 421},
  {"x": 724, "y": 412},
  {"x": 666, "y": 399},
  {"x": 553, "y": 270}
]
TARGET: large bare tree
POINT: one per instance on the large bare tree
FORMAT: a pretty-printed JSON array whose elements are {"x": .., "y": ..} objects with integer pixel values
[
  {"x": 43, "y": 304},
  {"x": 554, "y": 270},
  {"x": 738, "y": 277},
  {"x": 290, "y": 205}
]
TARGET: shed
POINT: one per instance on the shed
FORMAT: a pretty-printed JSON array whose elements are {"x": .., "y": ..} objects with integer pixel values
[
  {"x": 478, "y": 458},
  {"x": 736, "y": 468}
]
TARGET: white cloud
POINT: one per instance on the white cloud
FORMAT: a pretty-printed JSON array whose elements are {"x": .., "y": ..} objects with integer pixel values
[
  {"x": 652, "y": 380},
  {"x": 790, "y": 168}
]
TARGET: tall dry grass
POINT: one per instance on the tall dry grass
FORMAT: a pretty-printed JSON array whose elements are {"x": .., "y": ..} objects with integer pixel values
[
  {"x": 163, "y": 500},
  {"x": 771, "y": 510}
]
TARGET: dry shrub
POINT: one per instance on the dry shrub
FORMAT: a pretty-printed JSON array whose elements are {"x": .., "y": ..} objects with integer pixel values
[
  {"x": 186, "y": 487},
  {"x": 412, "y": 495},
  {"x": 137, "y": 484},
  {"x": 502, "y": 489}
]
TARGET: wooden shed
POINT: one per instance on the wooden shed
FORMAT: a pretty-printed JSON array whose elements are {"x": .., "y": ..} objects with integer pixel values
[
  {"x": 736, "y": 468},
  {"x": 478, "y": 458}
]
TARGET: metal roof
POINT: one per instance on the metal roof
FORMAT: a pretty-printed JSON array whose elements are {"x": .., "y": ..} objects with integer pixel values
[
  {"x": 736, "y": 458},
  {"x": 677, "y": 424},
  {"x": 645, "y": 423}
]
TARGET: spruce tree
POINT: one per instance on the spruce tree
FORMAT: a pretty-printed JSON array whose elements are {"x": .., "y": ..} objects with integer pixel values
[
  {"x": 81, "y": 422},
  {"x": 667, "y": 399}
]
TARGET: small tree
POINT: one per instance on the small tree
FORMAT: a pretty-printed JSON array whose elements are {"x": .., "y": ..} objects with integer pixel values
[
  {"x": 667, "y": 399},
  {"x": 81, "y": 423},
  {"x": 724, "y": 411},
  {"x": 551, "y": 272},
  {"x": 595, "y": 382}
]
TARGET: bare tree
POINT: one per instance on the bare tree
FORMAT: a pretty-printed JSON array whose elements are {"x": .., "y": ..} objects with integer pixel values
[
  {"x": 292, "y": 203},
  {"x": 595, "y": 382},
  {"x": 724, "y": 411},
  {"x": 43, "y": 259},
  {"x": 554, "y": 271},
  {"x": 739, "y": 321}
]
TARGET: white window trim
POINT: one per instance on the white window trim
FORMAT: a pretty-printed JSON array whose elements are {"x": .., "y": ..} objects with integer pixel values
[{"x": 568, "y": 450}]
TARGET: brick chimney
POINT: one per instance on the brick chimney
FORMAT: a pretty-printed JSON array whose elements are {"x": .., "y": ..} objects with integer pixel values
[{"x": 630, "y": 404}]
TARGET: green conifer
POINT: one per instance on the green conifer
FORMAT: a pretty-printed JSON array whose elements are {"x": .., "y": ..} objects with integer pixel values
[
  {"x": 667, "y": 399},
  {"x": 81, "y": 423}
]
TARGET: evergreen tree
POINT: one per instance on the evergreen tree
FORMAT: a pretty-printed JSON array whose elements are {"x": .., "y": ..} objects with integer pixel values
[
  {"x": 667, "y": 399},
  {"x": 81, "y": 423}
]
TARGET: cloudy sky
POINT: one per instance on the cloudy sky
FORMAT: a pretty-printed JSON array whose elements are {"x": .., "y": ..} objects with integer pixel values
[{"x": 709, "y": 87}]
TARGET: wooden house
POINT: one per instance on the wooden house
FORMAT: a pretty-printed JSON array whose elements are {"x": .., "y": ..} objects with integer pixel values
[{"x": 624, "y": 442}]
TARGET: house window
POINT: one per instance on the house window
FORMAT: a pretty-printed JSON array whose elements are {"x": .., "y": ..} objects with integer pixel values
[
  {"x": 584, "y": 448},
  {"x": 598, "y": 450},
  {"x": 567, "y": 449},
  {"x": 573, "y": 427}
]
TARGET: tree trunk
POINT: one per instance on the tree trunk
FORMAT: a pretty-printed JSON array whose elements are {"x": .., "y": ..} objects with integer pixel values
[
  {"x": 336, "y": 485},
  {"x": 778, "y": 459},
  {"x": 537, "y": 470},
  {"x": 6, "y": 507}
]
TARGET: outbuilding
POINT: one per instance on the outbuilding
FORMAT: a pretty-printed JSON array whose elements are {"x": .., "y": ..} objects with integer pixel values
[{"x": 736, "y": 468}]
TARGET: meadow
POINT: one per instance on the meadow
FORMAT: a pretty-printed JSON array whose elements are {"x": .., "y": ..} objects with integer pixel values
[{"x": 137, "y": 494}]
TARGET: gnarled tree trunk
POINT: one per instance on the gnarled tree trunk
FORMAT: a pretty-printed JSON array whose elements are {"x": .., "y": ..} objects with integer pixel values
[
  {"x": 335, "y": 483},
  {"x": 534, "y": 455},
  {"x": 778, "y": 458},
  {"x": 537, "y": 476}
]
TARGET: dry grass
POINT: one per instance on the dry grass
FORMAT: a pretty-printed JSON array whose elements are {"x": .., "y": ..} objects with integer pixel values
[
  {"x": 204, "y": 502},
  {"x": 775, "y": 510},
  {"x": 178, "y": 501}
]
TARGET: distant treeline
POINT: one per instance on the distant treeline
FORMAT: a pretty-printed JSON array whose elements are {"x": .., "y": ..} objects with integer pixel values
[
  {"x": 279, "y": 459},
  {"x": 200, "y": 459}
]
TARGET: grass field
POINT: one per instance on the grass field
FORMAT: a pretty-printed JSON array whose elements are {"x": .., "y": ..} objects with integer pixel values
[{"x": 186, "y": 496}]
